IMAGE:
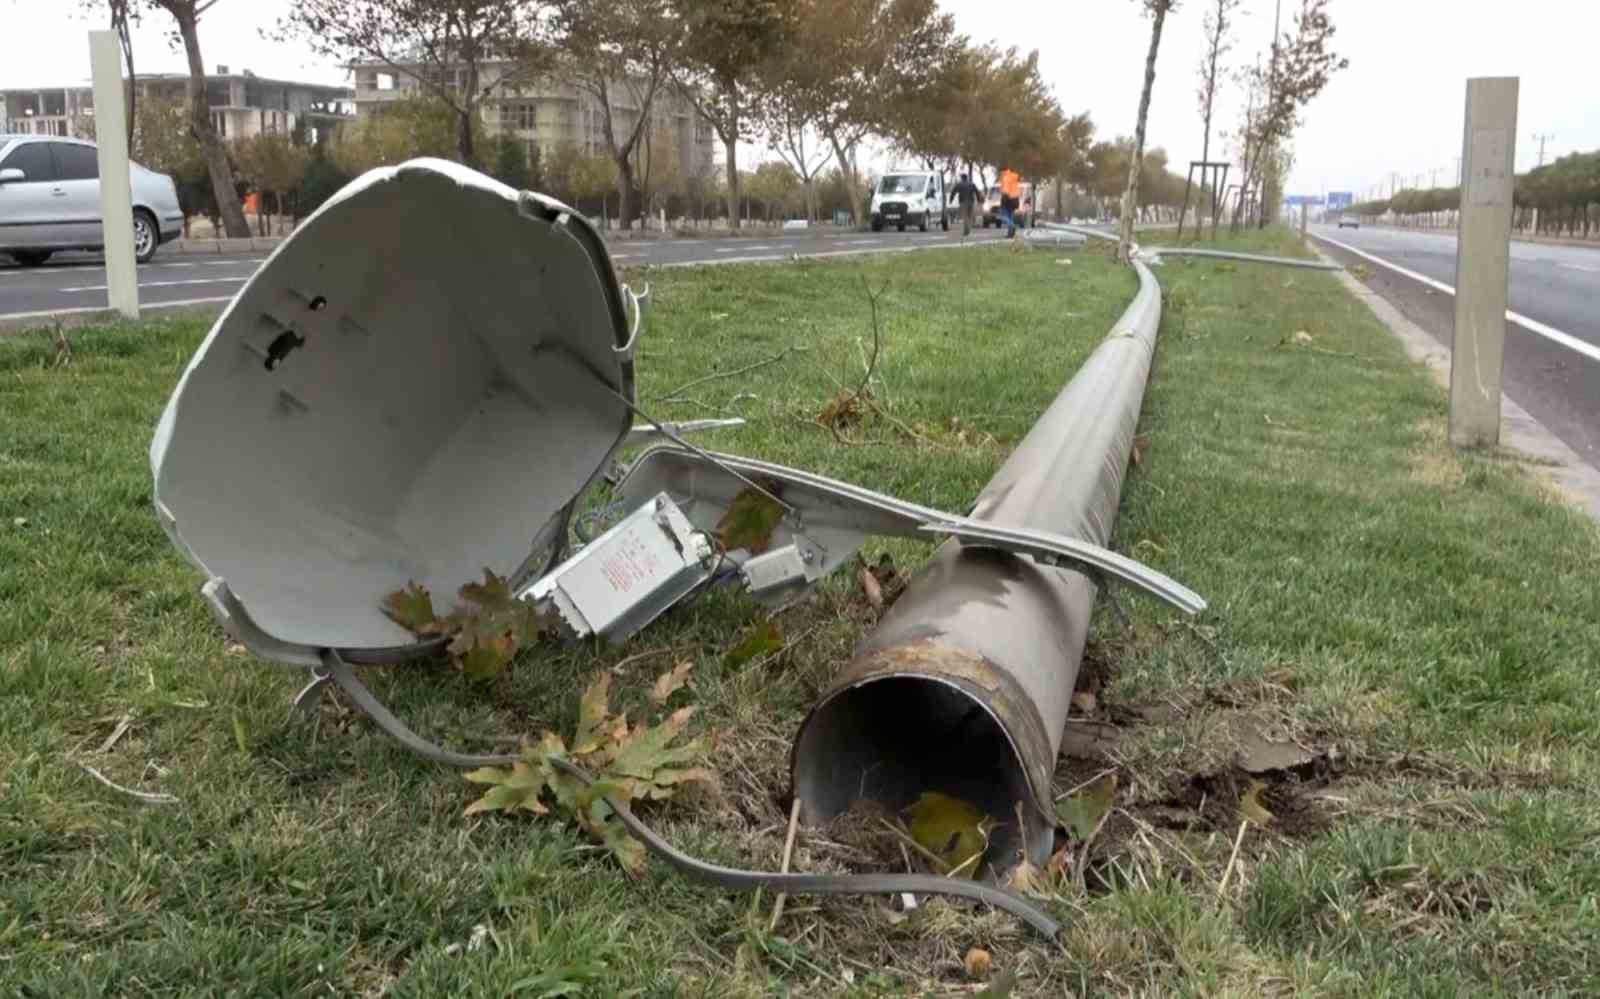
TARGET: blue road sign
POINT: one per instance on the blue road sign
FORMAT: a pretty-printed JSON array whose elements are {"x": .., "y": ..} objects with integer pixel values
[
  {"x": 1302, "y": 199},
  {"x": 1341, "y": 199}
]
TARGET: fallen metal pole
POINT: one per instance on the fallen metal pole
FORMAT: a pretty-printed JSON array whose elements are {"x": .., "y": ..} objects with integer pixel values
[{"x": 964, "y": 686}]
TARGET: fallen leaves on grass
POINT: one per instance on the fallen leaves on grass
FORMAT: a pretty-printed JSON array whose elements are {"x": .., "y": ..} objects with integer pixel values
[
  {"x": 843, "y": 410},
  {"x": 1250, "y": 805},
  {"x": 764, "y": 641},
  {"x": 486, "y": 630},
  {"x": 671, "y": 681},
  {"x": 1082, "y": 811},
  {"x": 641, "y": 762},
  {"x": 881, "y": 583}
]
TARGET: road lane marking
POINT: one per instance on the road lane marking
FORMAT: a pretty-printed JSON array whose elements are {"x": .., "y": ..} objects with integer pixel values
[
  {"x": 1580, "y": 267},
  {"x": 159, "y": 284},
  {"x": 1550, "y": 333},
  {"x": 82, "y": 309},
  {"x": 729, "y": 249}
]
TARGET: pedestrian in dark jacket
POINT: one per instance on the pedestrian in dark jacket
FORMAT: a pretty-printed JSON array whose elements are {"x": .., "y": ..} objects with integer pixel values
[{"x": 968, "y": 194}]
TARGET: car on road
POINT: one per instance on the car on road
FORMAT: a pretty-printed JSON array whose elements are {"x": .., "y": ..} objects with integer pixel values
[
  {"x": 1349, "y": 222},
  {"x": 50, "y": 200},
  {"x": 910, "y": 197}
]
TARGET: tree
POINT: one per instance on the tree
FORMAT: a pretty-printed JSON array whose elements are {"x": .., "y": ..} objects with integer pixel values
[
  {"x": 1158, "y": 10},
  {"x": 575, "y": 176},
  {"x": 660, "y": 167},
  {"x": 124, "y": 14},
  {"x": 163, "y": 141},
  {"x": 273, "y": 165},
  {"x": 773, "y": 183},
  {"x": 407, "y": 128},
  {"x": 611, "y": 49},
  {"x": 1302, "y": 64},
  {"x": 726, "y": 44},
  {"x": 186, "y": 14},
  {"x": 442, "y": 44},
  {"x": 510, "y": 164},
  {"x": 1219, "y": 42}
]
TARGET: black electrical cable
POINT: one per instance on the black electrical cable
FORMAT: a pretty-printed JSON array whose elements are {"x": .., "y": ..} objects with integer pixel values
[{"x": 736, "y": 879}]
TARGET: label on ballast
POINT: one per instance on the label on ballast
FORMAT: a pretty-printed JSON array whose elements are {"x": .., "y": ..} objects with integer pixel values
[{"x": 631, "y": 562}]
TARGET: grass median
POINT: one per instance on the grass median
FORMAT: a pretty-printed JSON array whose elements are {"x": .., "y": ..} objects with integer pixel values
[{"x": 1396, "y": 681}]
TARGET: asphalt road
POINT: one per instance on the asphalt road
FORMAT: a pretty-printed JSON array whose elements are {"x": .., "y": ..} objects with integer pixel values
[
  {"x": 1552, "y": 360},
  {"x": 72, "y": 283}
]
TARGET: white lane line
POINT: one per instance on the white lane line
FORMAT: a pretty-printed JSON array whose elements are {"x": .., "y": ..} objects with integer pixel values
[
  {"x": 1580, "y": 267},
  {"x": 729, "y": 249},
  {"x": 865, "y": 242},
  {"x": 163, "y": 284},
  {"x": 80, "y": 310},
  {"x": 759, "y": 246},
  {"x": 1550, "y": 333}
]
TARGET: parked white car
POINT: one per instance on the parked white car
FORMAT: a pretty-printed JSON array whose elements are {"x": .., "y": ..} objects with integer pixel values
[{"x": 50, "y": 200}]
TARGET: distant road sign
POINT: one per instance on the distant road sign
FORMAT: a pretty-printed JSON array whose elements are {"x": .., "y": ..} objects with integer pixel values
[
  {"x": 1302, "y": 199},
  {"x": 1341, "y": 199}
]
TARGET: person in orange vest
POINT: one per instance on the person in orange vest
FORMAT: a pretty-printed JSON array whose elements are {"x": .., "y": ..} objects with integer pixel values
[{"x": 1010, "y": 199}]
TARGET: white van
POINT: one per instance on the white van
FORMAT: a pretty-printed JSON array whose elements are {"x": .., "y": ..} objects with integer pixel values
[{"x": 910, "y": 197}]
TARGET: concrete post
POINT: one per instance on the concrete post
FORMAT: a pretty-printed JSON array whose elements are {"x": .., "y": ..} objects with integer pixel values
[
  {"x": 116, "y": 192},
  {"x": 1305, "y": 216},
  {"x": 1483, "y": 258}
]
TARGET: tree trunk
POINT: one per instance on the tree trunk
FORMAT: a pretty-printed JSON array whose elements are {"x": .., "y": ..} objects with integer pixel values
[
  {"x": 119, "y": 21},
  {"x": 852, "y": 185},
  {"x": 1059, "y": 216},
  {"x": 222, "y": 188},
  {"x": 469, "y": 107},
  {"x": 625, "y": 198},
  {"x": 1131, "y": 192}
]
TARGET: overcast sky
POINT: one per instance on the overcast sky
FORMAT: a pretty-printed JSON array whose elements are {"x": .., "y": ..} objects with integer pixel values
[{"x": 1397, "y": 108}]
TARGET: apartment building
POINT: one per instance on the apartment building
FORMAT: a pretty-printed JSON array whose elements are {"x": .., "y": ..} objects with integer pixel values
[
  {"x": 242, "y": 105},
  {"x": 549, "y": 113}
]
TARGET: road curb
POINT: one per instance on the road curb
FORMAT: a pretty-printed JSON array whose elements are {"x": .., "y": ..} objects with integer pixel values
[
  {"x": 188, "y": 247},
  {"x": 1572, "y": 477},
  {"x": 776, "y": 258}
]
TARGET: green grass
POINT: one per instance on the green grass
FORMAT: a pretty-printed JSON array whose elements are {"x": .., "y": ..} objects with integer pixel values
[{"x": 1422, "y": 621}]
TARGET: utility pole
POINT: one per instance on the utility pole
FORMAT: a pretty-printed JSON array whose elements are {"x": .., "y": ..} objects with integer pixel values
[
  {"x": 1483, "y": 258},
  {"x": 116, "y": 193},
  {"x": 1541, "y": 140}
]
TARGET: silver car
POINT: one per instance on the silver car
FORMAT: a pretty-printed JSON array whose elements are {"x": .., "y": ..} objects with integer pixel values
[{"x": 50, "y": 200}]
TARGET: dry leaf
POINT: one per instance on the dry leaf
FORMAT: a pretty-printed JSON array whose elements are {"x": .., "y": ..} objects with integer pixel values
[
  {"x": 671, "y": 681},
  {"x": 751, "y": 519},
  {"x": 1084, "y": 701},
  {"x": 1082, "y": 812},
  {"x": 1024, "y": 878},
  {"x": 951, "y": 829},
  {"x": 1302, "y": 337},
  {"x": 1250, "y": 805},
  {"x": 978, "y": 964},
  {"x": 870, "y": 587},
  {"x": 1056, "y": 867},
  {"x": 764, "y": 641},
  {"x": 411, "y": 607}
]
